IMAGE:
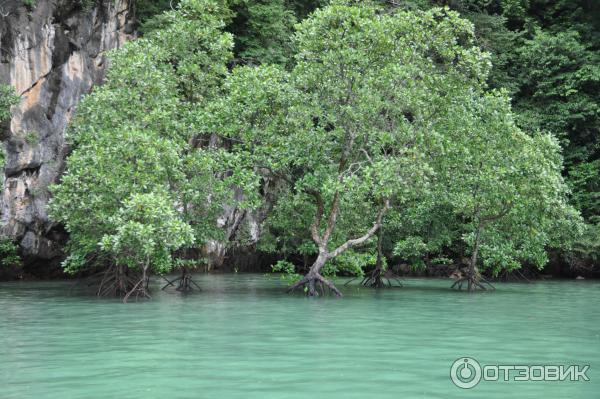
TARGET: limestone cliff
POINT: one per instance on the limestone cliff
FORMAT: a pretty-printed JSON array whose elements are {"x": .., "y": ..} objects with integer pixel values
[{"x": 52, "y": 52}]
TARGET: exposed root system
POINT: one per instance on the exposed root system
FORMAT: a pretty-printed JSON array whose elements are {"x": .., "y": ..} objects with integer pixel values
[
  {"x": 378, "y": 278},
  {"x": 473, "y": 282},
  {"x": 312, "y": 282},
  {"x": 117, "y": 281},
  {"x": 185, "y": 283}
]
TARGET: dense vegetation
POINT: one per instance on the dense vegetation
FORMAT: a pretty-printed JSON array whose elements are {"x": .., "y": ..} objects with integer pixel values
[
  {"x": 546, "y": 54},
  {"x": 363, "y": 114},
  {"x": 8, "y": 98},
  {"x": 8, "y": 250},
  {"x": 358, "y": 134}
]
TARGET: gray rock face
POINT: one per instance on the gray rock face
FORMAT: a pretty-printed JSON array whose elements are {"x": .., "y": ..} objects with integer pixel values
[{"x": 52, "y": 54}]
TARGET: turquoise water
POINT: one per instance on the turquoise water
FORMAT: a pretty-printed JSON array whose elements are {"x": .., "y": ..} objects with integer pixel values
[{"x": 242, "y": 337}]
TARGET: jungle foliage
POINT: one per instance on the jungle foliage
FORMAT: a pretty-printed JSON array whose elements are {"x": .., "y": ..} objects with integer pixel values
[
  {"x": 546, "y": 53},
  {"x": 368, "y": 132}
]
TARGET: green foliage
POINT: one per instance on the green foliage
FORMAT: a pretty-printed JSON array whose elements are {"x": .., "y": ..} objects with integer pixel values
[
  {"x": 283, "y": 266},
  {"x": 30, "y": 3},
  {"x": 8, "y": 98},
  {"x": 335, "y": 130},
  {"x": 284, "y": 231},
  {"x": 303, "y": 8},
  {"x": 287, "y": 270},
  {"x": 545, "y": 53},
  {"x": 494, "y": 37},
  {"x": 87, "y": 5},
  {"x": 352, "y": 262},
  {"x": 32, "y": 138},
  {"x": 506, "y": 185},
  {"x": 148, "y": 13},
  {"x": 413, "y": 249},
  {"x": 359, "y": 108},
  {"x": 9, "y": 255},
  {"x": 553, "y": 71},
  {"x": 560, "y": 90},
  {"x": 148, "y": 230},
  {"x": 585, "y": 251},
  {"x": 584, "y": 179},
  {"x": 135, "y": 138},
  {"x": 262, "y": 31}
]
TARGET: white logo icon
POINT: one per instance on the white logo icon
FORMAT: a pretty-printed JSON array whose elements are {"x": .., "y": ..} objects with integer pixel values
[{"x": 465, "y": 372}]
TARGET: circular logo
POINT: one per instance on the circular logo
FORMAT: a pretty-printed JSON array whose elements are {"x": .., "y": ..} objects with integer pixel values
[{"x": 465, "y": 372}]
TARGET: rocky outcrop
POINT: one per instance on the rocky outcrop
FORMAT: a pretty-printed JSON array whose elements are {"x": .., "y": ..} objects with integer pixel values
[{"x": 52, "y": 53}]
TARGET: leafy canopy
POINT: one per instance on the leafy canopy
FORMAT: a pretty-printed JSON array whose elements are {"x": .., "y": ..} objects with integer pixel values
[
  {"x": 355, "y": 123},
  {"x": 135, "y": 147}
]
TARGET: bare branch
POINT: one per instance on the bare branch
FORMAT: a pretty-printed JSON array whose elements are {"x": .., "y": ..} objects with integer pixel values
[
  {"x": 367, "y": 155},
  {"x": 360, "y": 240},
  {"x": 314, "y": 228}
]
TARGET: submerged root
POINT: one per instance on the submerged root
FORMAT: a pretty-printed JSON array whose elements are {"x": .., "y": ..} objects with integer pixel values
[
  {"x": 378, "y": 279},
  {"x": 514, "y": 275},
  {"x": 473, "y": 282},
  {"x": 117, "y": 281},
  {"x": 313, "y": 280},
  {"x": 185, "y": 282},
  {"x": 140, "y": 289}
]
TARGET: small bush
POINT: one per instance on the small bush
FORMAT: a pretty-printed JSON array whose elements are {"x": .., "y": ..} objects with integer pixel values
[{"x": 9, "y": 256}]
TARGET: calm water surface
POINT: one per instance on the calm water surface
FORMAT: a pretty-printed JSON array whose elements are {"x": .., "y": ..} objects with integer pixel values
[{"x": 242, "y": 337}]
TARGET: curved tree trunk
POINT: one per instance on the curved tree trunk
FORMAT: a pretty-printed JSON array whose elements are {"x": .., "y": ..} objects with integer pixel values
[{"x": 314, "y": 279}]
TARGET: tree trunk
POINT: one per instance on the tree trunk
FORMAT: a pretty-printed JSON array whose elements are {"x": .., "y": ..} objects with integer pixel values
[
  {"x": 322, "y": 240},
  {"x": 185, "y": 282},
  {"x": 315, "y": 273},
  {"x": 314, "y": 277},
  {"x": 121, "y": 280},
  {"x": 473, "y": 278},
  {"x": 141, "y": 287},
  {"x": 472, "y": 265},
  {"x": 378, "y": 282},
  {"x": 375, "y": 279}
]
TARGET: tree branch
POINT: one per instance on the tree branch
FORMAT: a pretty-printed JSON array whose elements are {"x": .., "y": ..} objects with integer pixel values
[
  {"x": 335, "y": 208},
  {"x": 360, "y": 240},
  {"x": 492, "y": 218},
  {"x": 314, "y": 228},
  {"x": 335, "y": 205}
]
